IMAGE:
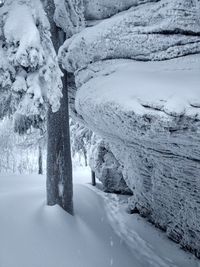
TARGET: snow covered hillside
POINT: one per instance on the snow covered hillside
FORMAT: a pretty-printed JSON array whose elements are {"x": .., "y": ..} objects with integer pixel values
[{"x": 137, "y": 75}]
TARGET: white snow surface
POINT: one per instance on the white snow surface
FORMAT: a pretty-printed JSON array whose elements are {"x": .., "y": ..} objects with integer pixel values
[
  {"x": 34, "y": 235},
  {"x": 163, "y": 89},
  {"x": 20, "y": 22}
]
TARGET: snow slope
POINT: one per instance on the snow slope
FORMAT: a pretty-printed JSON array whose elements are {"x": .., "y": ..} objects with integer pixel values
[{"x": 34, "y": 235}]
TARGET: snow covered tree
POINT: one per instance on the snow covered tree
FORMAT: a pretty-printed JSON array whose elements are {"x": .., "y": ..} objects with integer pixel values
[
  {"x": 34, "y": 130},
  {"x": 29, "y": 72},
  {"x": 31, "y": 81},
  {"x": 19, "y": 152},
  {"x": 81, "y": 140},
  {"x": 66, "y": 17}
]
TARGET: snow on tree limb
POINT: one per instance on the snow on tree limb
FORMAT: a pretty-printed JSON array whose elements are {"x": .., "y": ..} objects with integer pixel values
[{"x": 29, "y": 71}]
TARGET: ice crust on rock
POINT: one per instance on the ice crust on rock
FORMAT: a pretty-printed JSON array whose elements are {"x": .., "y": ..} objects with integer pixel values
[{"x": 152, "y": 31}]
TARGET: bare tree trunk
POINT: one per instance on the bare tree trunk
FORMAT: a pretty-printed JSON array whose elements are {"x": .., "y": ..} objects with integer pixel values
[
  {"x": 59, "y": 165},
  {"x": 93, "y": 178},
  {"x": 40, "y": 165},
  {"x": 85, "y": 157}
]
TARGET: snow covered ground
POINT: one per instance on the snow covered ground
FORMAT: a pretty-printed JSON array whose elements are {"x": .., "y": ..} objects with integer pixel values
[{"x": 34, "y": 235}]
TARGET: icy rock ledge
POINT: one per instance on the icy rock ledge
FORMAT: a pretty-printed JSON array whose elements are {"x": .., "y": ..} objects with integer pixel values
[{"x": 150, "y": 115}]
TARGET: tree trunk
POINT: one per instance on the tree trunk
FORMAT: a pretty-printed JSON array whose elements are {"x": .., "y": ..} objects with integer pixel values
[
  {"x": 40, "y": 167},
  {"x": 85, "y": 157},
  {"x": 93, "y": 178},
  {"x": 59, "y": 165}
]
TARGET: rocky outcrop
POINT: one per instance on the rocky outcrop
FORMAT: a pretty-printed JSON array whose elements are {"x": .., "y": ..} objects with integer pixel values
[
  {"x": 101, "y": 9},
  {"x": 152, "y": 31},
  {"x": 148, "y": 112},
  {"x": 107, "y": 168},
  {"x": 156, "y": 143}
]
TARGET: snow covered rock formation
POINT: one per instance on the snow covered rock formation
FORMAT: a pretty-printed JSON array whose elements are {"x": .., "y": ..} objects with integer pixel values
[
  {"x": 106, "y": 167},
  {"x": 152, "y": 31},
  {"x": 137, "y": 75}
]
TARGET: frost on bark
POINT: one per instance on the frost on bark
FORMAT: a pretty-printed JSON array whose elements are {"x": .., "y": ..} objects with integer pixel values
[{"x": 59, "y": 166}]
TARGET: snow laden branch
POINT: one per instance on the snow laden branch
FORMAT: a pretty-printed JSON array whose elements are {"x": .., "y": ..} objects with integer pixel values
[{"x": 29, "y": 73}]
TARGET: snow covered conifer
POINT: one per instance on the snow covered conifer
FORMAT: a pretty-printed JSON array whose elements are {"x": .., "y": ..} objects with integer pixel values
[
  {"x": 31, "y": 80},
  {"x": 29, "y": 73},
  {"x": 66, "y": 18}
]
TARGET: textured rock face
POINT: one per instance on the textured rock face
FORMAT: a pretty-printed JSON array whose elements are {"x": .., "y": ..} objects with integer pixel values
[
  {"x": 152, "y": 31},
  {"x": 100, "y": 9},
  {"x": 165, "y": 181},
  {"x": 148, "y": 112},
  {"x": 154, "y": 140},
  {"x": 106, "y": 167},
  {"x": 156, "y": 144}
]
